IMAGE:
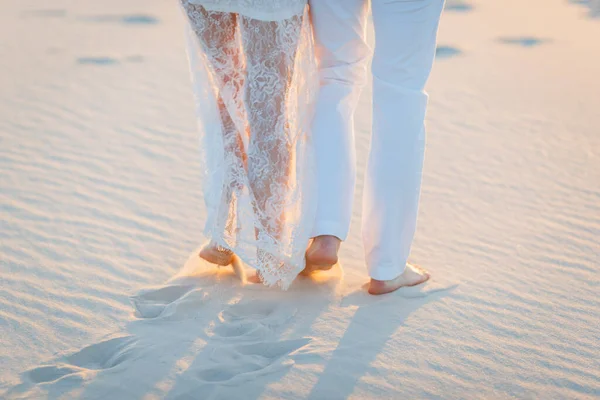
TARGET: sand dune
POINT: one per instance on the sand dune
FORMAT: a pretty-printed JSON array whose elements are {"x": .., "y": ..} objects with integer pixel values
[{"x": 100, "y": 208}]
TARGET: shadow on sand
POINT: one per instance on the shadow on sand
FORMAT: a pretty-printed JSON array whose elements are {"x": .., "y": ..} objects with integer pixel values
[{"x": 205, "y": 335}]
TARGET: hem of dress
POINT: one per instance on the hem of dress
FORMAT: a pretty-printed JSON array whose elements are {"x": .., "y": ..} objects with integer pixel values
[
  {"x": 270, "y": 280},
  {"x": 251, "y": 13}
]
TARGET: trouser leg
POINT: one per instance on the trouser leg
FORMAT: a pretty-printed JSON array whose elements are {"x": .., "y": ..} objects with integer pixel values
[
  {"x": 405, "y": 41},
  {"x": 342, "y": 53}
]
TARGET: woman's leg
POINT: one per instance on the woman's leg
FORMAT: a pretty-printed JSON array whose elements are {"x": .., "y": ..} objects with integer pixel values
[
  {"x": 270, "y": 49},
  {"x": 216, "y": 33}
]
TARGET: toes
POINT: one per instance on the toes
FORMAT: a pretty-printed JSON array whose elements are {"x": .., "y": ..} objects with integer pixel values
[
  {"x": 419, "y": 269},
  {"x": 256, "y": 278},
  {"x": 424, "y": 278}
]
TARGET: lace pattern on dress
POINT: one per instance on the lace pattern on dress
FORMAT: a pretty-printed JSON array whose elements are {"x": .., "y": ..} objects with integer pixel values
[{"x": 254, "y": 83}]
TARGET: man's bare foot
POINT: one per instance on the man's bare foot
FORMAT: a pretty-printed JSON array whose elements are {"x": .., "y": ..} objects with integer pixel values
[
  {"x": 413, "y": 275},
  {"x": 322, "y": 254},
  {"x": 216, "y": 254}
]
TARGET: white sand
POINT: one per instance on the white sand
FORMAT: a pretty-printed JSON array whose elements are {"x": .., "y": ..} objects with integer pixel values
[{"x": 99, "y": 197}]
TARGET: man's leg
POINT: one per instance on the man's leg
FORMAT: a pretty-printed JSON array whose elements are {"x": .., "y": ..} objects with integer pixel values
[
  {"x": 342, "y": 52},
  {"x": 405, "y": 41}
]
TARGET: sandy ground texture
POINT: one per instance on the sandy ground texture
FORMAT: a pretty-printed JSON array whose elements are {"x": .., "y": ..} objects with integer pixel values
[{"x": 100, "y": 200}]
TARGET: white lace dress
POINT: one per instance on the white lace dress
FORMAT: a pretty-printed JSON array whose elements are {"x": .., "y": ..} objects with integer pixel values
[{"x": 254, "y": 76}]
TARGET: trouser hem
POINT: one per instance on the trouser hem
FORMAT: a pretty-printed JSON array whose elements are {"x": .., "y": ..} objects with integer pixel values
[
  {"x": 330, "y": 228},
  {"x": 386, "y": 273}
]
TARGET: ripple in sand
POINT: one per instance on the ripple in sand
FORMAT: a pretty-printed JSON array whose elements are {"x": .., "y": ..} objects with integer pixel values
[
  {"x": 46, "y": 13},
  {"x": 134, "y": 59},
  {"x": 97, "y": 61}
]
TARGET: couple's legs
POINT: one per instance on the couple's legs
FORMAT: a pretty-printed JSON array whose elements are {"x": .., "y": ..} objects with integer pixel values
[{"x": 405, "y": 35}]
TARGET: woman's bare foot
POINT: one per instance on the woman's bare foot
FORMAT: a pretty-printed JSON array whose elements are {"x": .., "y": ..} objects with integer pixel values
[
  {"x": 256, "y": 278},
  {"x": 413, "y": 275},
  {"x": 322, "y": 254},
  {"x": 216, "y": 254}
]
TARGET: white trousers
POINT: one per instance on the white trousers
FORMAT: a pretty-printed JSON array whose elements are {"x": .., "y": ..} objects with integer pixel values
[{"x": 405, "y": 42}]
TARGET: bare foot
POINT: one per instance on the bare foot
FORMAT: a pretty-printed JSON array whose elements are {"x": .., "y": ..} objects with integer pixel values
[
  {"x": 413, "y": 275},
  {"x": 215, "y": 254},
  {"x": 322, "y": 254},
  {"x": 255, "y": 278}
]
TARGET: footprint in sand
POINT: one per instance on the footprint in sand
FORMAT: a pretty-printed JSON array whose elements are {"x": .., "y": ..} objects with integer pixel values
[
  {"x": 253, "y": 309},
  {"x": 224, "y": 373},
  {"x": 251, "y": 320},
  {"x": 171, "y": 302},
  {"x": 593, "y": 5},
  {"x": 447, "y": 52},
  {"x": 245, "y": 362},
  {"x": 523, "y": 41},
  {"x": 97, "y": 61},
  {"x": 272, "y": 350},
  {"x": 108, "y": 60},
  {"x": 50, "y": 373},
  {"x": 130, "y": 19},
  {"x": 103, "y": 355},
  {"x": 457, "y": 6},
  {"x": 249, "y": 330}
]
